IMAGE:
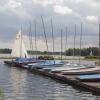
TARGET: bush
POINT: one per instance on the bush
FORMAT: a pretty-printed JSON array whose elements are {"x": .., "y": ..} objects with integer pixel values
[{"x": 46, "y": 58}]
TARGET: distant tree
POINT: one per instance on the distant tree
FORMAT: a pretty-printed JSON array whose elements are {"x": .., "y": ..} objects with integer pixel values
[
  {"x": 6, "y": 50},
  {"x": 84, "y": 51}
]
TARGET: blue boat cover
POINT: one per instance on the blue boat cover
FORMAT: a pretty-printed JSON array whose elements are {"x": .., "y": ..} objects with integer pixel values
[
  {"x": 51, "y": 62},
  {"x": 23, "y": 60},
  {"x": 89, "y": 76}
]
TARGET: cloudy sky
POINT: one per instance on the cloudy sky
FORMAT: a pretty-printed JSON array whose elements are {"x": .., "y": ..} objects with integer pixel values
[{"x": 64, "y": 13}]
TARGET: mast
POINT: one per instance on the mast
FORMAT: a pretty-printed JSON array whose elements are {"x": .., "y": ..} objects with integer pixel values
[
  {"x": 61, "y": 44},
  {"x": 74, "y": 42},
  {"x": 66, "y": 41},
  {"x": 35, "y": 38},
  {"x": 99, "y": 42},
  {"x": 44, "y": 33},
  {"x": 52, "y": 39},
  {"x": 21, "y": 43},
  {"x": 80, "y": 41},
  {"x": 30, "y": 37}
]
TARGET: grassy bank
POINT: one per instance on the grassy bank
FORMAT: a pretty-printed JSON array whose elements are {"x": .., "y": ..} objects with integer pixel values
[
  {"x": 6, "y": 58},
  {"x": 91, "y": 57}
]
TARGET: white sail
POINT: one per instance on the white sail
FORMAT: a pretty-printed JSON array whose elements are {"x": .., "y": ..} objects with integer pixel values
[
  {"x": 19, "y": 49},
  {"x": 91, "y": 53}
]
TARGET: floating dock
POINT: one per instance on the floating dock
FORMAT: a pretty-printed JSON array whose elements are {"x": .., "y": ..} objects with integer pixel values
[{"x": 93, "y": 87}]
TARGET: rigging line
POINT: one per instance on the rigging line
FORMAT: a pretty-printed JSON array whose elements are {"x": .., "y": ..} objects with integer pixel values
[
  {"x": 52, "y": 38},
  {"x": 44, "y": 32},
  {"x": 81, "y": 42}
]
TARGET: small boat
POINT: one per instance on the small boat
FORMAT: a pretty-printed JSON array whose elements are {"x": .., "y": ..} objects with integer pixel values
[
  {"x": 89, "y": 78},
  {"x": 94, "y": 70},
  {"x": 68, "y": 68},
  {"x": 65, "y": 65},
  {"x": 46, "y": 64}
]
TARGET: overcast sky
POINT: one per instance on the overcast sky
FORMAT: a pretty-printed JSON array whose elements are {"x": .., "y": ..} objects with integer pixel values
[{"x": 64, "y": 13}]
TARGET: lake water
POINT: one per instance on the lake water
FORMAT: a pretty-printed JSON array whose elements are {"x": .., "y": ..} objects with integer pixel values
[{"x": 19, "y": 84}]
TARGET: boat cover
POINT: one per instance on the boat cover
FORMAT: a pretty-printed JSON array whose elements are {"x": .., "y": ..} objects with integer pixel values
[{"x": 23, "y": 60}]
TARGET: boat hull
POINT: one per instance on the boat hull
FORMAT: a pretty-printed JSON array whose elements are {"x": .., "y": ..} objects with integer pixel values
[
  {"x": 65, "y": 69},
  {"x": 89, "y": 78},
  {"x": 46, "y": 64},
  {"x": 16, "y": 64},
  {"x": 82, "y": 71}
]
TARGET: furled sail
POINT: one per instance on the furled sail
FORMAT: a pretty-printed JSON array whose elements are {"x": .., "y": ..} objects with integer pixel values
[{"x": 19, "y": 49}]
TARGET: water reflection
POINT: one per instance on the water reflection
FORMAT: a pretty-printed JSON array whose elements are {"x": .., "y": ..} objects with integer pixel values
[{"x": 22, "y": 85}]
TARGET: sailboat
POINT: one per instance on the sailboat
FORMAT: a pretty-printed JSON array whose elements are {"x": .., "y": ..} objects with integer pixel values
[
  {"x": 82, "y": 71},
  {"x": 20, "y": 53},
  {"x": 67, "y": 68},
  {"x": 94, "y": 70},
  {"x": 48, "y": 63},
  {"x": 19, "y": 49},
  {"x": 96, "y": 77},
  {"x": 78, "y": 69}
]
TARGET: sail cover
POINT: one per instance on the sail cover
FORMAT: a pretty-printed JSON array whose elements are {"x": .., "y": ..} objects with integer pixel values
[{"x": 19, "y": 49}]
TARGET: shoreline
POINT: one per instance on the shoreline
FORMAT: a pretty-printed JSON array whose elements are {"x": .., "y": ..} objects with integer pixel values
[{"x": 89, "y": 59}]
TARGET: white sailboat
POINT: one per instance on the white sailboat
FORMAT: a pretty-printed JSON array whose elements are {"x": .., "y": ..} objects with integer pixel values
[
  {"x": 91, "y": 53},
  {"x": 19, "y": 49}
]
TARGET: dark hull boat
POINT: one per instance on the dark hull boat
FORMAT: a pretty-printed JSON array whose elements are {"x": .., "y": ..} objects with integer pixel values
[
  {"x": 89, "y": 78},
  {"x": 12, "y": 63}
]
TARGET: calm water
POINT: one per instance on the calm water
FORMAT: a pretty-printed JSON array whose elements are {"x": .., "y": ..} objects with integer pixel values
[{"x": 20, "y": 84}]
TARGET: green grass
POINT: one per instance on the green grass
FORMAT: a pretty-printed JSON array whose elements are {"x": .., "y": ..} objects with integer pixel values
[
  {"x": 91, "y": 57},
  {"x": 6, "y": 58}
]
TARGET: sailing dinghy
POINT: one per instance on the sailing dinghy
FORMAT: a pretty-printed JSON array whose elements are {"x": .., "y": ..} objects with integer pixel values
[
  {"x": 89, "y": 78},
  {"x": 46, "y": 64},
  {"x": 20, "y": 53},
  {"x": 85, "y": 71},
  {"x": 67, "y": 68},
  {"x": 19, "y": 49}
]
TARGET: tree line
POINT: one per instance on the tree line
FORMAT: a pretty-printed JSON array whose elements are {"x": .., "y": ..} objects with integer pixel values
[
  {"x": 68, "y": 52},
  {"x": 83, "y": 51}
]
